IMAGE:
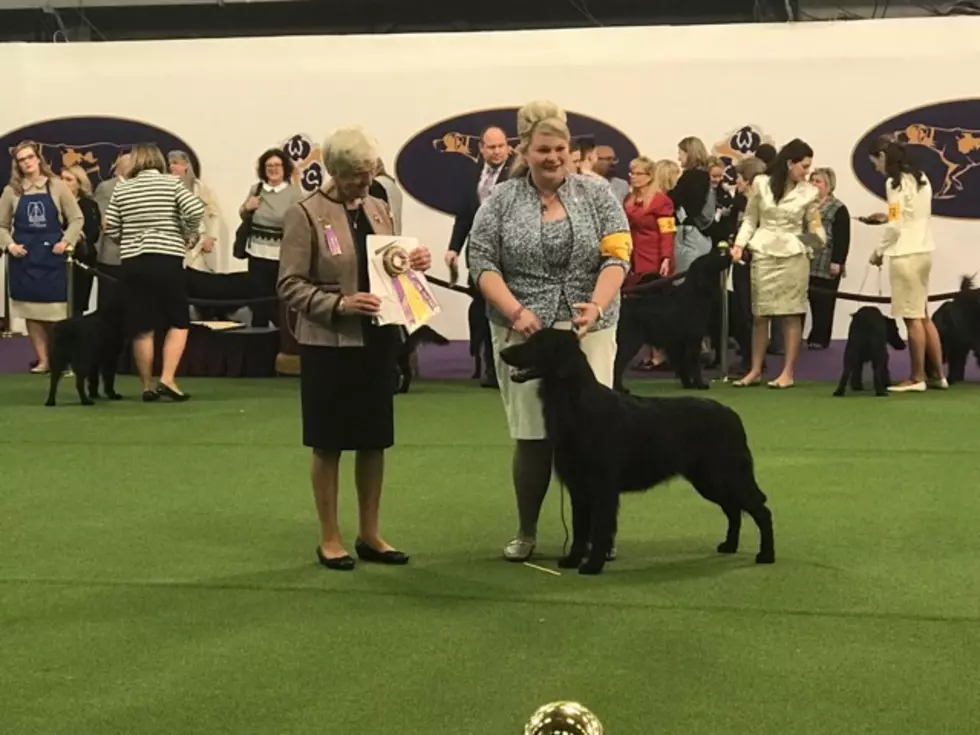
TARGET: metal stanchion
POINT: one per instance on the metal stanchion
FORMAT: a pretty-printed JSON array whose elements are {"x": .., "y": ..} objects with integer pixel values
[
  {"x": 70, "y": 273},
  {"x": 723, "y": 347},
  {"x": 8, "y": 326}
]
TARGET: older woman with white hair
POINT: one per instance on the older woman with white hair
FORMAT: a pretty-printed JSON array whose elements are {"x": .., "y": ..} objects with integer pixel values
[
  {"x": 548, "y": 248},
  {"x": 347, "y": 361}
]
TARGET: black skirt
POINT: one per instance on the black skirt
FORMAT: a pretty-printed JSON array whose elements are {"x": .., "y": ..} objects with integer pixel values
[
  {"x": 347, "y": 393},
  {"x": 154, "y": 291}
]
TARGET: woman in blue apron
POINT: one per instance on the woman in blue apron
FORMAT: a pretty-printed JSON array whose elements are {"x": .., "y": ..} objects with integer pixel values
[{"x": 39, "y": 219}]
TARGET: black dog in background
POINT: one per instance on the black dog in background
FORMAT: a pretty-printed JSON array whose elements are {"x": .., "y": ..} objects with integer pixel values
[
  {"x": 868, "y": 338},
  {"x": 606, "y": 444},
  {"x": 404, "y": 370},
  {"x": 958, "y": 324},
  {"x": 673, "y": 316},
  {"x": 82, "y": 344}
]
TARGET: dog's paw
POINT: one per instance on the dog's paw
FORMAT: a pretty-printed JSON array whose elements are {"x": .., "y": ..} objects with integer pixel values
[
  {"x": 765, "y": 558},
  {"x": 882, "y": 394},
  {"x": 113, "y": 396},
  {"x": 592, "y": 568},
  {"x": 49, "y": 402},
  {"x": 838, "y": 393},
  {"x": 703, "y": 386},
  {"x": 570, "y": 562},
  {"x": 727, "y": 547},
  {"x": 88, "y": 402}
]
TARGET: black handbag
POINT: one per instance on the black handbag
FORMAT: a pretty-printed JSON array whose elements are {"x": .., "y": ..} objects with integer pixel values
[{"x": 244, "y": 231}]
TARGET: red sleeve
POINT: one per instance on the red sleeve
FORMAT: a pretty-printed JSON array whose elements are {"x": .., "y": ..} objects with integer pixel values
[{"x": 663, "y": 209}]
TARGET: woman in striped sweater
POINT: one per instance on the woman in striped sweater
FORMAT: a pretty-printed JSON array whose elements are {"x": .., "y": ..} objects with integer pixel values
[{"x": 152, "y": 215}]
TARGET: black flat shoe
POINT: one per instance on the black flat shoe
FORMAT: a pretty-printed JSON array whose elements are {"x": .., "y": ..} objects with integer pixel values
[
  {"x": 341, "y": 563},
  {"x": 367, "y": 553},
  {"x": 166, "y": 392}
]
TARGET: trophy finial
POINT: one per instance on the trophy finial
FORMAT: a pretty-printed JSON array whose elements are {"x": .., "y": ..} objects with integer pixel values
[{"x": 563, "y": 718}]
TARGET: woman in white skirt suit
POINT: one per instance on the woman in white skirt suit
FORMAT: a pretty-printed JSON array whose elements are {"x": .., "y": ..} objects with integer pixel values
[{"x": 781, "y": 228}]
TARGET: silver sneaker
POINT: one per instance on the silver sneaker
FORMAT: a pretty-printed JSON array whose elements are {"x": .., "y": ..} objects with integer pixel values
[{"x": 519, "y": 550}]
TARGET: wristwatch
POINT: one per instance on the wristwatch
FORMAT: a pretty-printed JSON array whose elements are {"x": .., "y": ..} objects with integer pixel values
[{"x": 598, "y": 308}]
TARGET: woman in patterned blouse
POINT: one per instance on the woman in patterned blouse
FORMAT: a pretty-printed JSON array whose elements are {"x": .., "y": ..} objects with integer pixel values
[{"x": 548, "y": 248}]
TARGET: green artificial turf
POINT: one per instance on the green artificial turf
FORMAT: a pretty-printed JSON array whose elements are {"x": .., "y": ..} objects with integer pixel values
[{"x": 157, "y": 576}]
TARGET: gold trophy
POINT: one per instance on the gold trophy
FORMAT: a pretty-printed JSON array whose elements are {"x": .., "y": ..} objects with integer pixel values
[{"x": 563, "y": 718}]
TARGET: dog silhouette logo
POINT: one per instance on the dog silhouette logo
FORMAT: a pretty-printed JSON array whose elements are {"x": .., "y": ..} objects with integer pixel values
[
  {"x": 94, "y": 143},
  {"x": 736, "y": 146},
  {"x": 945, "y": 139},
  {"x": 435, "y": 164}
]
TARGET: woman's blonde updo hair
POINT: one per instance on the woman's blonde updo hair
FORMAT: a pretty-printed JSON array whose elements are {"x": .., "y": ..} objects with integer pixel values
[{"x": 540, "y": 116}]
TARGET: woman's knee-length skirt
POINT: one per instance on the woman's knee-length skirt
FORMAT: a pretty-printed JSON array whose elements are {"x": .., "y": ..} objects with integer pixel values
[
  {"x": 908, "y": 277},
  {"x": 779, "y": 285},
  {"x": 347, "y": 394}
]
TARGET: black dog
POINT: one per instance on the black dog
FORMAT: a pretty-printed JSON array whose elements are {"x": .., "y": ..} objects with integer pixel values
[
  {"x": 81, "y": 344},
  {"x": 404, "y": 370},
  {"x": 606, "y": 443},
  {"x": 958, "y": 324},
  {"x": 674, "y": 317},
  {"x": 868, "y": 338}
]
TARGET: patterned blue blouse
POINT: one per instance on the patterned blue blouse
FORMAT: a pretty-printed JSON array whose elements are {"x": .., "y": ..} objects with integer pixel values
[{"x": 550, "y": 266}]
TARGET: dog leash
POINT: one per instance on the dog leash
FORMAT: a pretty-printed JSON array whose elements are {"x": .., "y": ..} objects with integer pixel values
[{"x": 867, "y": 271}]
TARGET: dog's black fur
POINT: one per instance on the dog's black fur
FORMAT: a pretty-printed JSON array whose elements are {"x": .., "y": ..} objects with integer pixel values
[
  {"x": 868, "y": 338},
  {"x": 606, "y": 444},
  {"x": 674, "y": 317},
  {"x": 958, "y": 324},
  {"x": 81, "y": 343},
  {"x": 406, "y": 349}
]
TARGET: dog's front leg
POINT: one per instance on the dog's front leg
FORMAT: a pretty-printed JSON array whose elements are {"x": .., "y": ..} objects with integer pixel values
[
  {"x": 53, "y": 387},
  {"x": 880, "y": 375},
  {"x": 581, "y": 527},
  {"x": 693, "y": 358},
  {"x": 80, "y": 380},
  {"x": 845, "y": 376},
  {"x": 605, "y": 506}
]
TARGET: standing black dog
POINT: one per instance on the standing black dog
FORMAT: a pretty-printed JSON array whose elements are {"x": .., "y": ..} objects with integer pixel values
[
  {"x": 80, "y": 343},
  {"x": 606, "y": 444},
  {"x": 958, "y": 324},
  {"x": 674, "y": 317},
  {"x": 868, "y": 338}
]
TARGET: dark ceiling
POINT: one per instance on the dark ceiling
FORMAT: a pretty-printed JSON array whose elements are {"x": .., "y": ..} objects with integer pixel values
[{"x": 369, "y": 16}]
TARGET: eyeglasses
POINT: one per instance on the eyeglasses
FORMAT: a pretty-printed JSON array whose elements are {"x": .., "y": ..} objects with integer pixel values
[{"x": 28, "y": 157}]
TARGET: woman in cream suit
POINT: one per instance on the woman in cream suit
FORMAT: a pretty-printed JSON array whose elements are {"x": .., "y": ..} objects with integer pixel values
[
  {"x": 908, "y": 243},
  {"x": 781, "y": 228}
]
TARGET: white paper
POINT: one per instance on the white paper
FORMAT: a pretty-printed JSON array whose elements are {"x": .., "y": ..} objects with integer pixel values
[{"x": 406, "y": 296}]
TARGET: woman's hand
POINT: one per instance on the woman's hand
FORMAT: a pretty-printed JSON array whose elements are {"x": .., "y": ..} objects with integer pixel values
[
  {"x": 362, "y": 303},
  {"x": 586, "y": 315},
  {"x": 736, "y": 253},
  {"x": 60, "y": 248},
  {"x": 420, "y": 259},
  {"x": 835, "y": 269},
  {"x": 252, "y": 203},
  {"x": 665, "y": 267},
  {"x": 876, "y": 259},
  {"x": 18, "y": 251},
  {"x": 525, "y": 322},
  {"x": 207, "y": 245}
]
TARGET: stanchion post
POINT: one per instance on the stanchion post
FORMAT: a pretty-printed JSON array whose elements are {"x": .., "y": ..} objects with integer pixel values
[
  {"x": 723, "y": 347},
  {"x": 70, "y": 274},
  {"x": 8, "y": 327}
]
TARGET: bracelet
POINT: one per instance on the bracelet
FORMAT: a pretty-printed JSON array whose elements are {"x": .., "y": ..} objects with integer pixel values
[
  {"x": 597, "y": 307},
  {"x": 341, "y": 304},
  {"x": 517, "y": 313}
]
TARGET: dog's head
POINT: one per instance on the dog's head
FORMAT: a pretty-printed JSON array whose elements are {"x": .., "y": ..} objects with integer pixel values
[
  {"x": 547, "y": 353},
  {"x": 706, "y": 269}
]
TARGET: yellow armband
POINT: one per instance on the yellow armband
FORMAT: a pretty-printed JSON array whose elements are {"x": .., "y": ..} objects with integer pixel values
[
  {"x": 894, "y": 212},
  {"x": 667, "y": 225},
  {"x": 617, "y": 245}
]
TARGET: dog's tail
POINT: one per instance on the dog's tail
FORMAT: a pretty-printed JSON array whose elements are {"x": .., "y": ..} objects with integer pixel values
[
  {"x": 966, "y": 284},
  {"x": 427, "y": 335}
]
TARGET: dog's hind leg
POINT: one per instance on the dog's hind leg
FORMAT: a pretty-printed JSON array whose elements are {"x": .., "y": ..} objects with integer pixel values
[
  {"x": 957, "y": 366},
  {"x": 753, "y": 502},
  {"x": 80, "y": 379},
  {"x": 53, "y": 387},
  {"x": 845, "y": 376},
  {"x": 879, "y": 368},
  {"x": 712, "y": 485}
]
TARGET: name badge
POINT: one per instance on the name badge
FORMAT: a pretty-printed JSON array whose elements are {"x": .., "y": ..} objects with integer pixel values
[{"x": 333, "y": 244}]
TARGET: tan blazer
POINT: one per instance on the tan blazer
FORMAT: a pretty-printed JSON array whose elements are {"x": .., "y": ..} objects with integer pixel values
[{"x": 307, "y": 268}]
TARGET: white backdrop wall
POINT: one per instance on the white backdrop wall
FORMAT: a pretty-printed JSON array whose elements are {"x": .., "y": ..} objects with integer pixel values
[{"x": 827, "y": 83}]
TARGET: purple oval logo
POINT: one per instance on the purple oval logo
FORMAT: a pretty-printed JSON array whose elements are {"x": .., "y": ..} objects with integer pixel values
[
  {"x": 434, "y": 164},
  {"x": 94, "y": 143},
  {"x": 945, "y": 139}
]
